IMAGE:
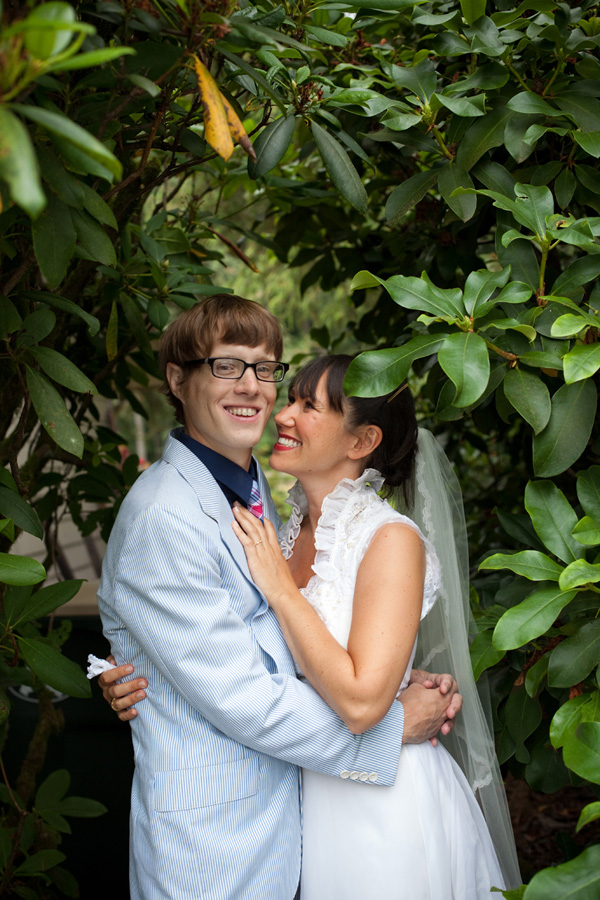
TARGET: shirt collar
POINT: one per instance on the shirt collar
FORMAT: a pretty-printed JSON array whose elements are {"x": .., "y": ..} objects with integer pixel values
[{"x": 234, "y": 481}]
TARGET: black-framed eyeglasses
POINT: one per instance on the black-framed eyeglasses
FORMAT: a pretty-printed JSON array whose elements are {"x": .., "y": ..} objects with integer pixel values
[{"x": 226, "y": 367}]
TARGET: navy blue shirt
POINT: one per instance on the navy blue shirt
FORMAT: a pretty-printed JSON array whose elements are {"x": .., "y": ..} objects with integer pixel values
[{"x": 234, "y": 481}]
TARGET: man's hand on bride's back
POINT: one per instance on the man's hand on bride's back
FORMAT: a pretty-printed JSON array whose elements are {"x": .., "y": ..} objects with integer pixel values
[
  {"x": 121, "y": 697},
  {"x": 431, "y": 703}
]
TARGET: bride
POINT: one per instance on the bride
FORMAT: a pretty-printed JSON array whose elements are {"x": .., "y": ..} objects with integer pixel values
[
  {"x": 354, "y": 583},
  {"x": 358, "y": 580}
]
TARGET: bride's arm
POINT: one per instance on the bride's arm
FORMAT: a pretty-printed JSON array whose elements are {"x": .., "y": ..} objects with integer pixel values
[{"x": 359, "y": 683}]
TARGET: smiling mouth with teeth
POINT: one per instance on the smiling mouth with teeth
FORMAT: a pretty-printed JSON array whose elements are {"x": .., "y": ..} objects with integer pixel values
[
  {"x": 288, "y": 442},
  {"x": 241, "y": 411}
]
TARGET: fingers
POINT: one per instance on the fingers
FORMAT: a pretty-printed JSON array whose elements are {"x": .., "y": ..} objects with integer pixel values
[
  {"x": 447, "y": 684},
  {"x": 455, "y": 706},
  {"x": 248, "y": 528},
  {"x": 108, "y": 678}
]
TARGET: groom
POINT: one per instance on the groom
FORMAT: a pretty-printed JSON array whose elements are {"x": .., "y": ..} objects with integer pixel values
[{"x": 215, "y": 799}]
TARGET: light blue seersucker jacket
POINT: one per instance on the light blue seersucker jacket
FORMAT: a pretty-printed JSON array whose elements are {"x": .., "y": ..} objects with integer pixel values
[{"x": 215, "y": 798}]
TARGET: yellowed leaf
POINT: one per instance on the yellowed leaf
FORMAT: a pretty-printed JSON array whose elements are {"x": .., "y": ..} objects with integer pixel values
[{"x": 216, "y": 127}]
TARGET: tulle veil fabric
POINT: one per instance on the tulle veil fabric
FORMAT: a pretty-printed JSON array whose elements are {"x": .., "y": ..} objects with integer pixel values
[{"x": 443, "y": 644}]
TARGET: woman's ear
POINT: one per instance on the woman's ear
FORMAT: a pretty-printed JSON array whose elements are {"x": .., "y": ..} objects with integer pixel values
[
  {"x": 174, "y": 376},
  {"x": 368, "y": 438}
]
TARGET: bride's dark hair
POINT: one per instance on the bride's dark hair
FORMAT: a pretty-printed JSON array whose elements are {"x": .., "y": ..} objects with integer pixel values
[{"x": 394, "y": 413}]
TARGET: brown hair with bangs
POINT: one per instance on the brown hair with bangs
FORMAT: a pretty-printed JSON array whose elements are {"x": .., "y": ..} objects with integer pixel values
[
  {"x": 222, "y": 317},
  {"x": 394, "y": 413}
]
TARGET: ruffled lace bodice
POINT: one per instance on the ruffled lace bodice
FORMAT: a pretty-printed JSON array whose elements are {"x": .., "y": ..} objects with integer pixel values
[{"x": 350, "y": 516}]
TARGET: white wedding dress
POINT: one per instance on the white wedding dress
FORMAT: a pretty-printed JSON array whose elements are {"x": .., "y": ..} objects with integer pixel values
[{"x": 425, "y": 837}]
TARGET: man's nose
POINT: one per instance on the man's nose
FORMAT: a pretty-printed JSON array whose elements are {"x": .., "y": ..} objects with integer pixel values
[{"x": 248, "y": 382}]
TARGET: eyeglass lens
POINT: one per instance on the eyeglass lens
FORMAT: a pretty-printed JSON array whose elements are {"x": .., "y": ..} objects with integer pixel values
[{"x": 265, "y": 370}]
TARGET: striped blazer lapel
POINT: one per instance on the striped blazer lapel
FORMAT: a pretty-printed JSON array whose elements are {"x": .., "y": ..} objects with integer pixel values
[{"x": 212, "y": 500}]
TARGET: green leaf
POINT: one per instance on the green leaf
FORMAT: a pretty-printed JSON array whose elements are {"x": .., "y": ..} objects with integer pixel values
[
  {"x": 483, "y": 654},
  {"x": 464, "y": 358},
  {"x": 421, "y": 294},
  {"x": 53, "y": 413},
  {"x": 271, "y": 145},
  {"x": 536, "y": 674},
  {"x": 479, "y": 287},
  {"x": 574, "y": 658},
  {"x": 588, "y": 491},
  {"x": 553, "y": 518},
  {"x": 529, "y": 396},
  {"x": 589, "y": 813},
  {"x": 579, "y": 573},
  {"x": 82, "y": 808},
  {"x": 581, "y": 362},
  {"x": 112, "y": 332},
  {"x": 589, "y": 141},
  {"x": 69, "y": 131},
  {"x": 62, "y": 370},
  {"x": 531, "y": 564},
  {"x": 95, "y": 205},
  {"x": 581, "y": 753},
  {"x": 545, "y": 771},
  {"x": 19, "y": 167},
  {"x": 534, "y": 203},
  {"x": 340, "y": 168},
  {"x": 45, "y": 601},
  {"x": 12, "y": 506},
  {"x": 93, "y": 324},
  {"x": 578, "y": 879},
  {"x": 566, "y": 719},
  {"x": 451, "y": 177},
  {"x": 523, "y": 715},
  {"x": 36, "y": 326},
  {"x": 54, "y": 241},
  {"x": 52, "y": 789},
  {"x": 92, "y": 236},
  {"x": 461, "y": 106},
  {"x": 408, "y": 194},
  {"x": 91, "y": 59},
  {"x": 531, "y": 618},
  {"x": 20, "y": 570},
  {"x": 569, "y": 325},
  {"x": 44, "y": 42},
  {"x": 484, "y": 134},
  {"x": 326, "y": 36},
  {"x": 377, "y": 372},
  {"x": 565, "y": 437},
  {"x": 40, "y": 862},
  {"x": 10, "y": 320},
  {"x": 529, "y": 103},
  {"x": 587, "y": 532},
  {"x": 421, "y": 79},
  {"x": 54, "y": 669},
  {"x": 580, "y": 272}
]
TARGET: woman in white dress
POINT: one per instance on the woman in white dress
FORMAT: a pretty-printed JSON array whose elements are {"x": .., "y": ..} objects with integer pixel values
[{"x": 350, "y": 585}]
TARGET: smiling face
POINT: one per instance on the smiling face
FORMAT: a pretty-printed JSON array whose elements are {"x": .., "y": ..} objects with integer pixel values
[
  {"x": 313, "y": 443},
  {"x": 227, "y": 415}
]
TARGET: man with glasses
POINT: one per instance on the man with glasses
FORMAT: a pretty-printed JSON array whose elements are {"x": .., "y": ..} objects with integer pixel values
[{"x": 215, "y": 800}]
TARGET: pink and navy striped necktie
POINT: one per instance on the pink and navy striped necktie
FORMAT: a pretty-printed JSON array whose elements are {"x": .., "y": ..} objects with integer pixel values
[{"x": 255, "y": 503}]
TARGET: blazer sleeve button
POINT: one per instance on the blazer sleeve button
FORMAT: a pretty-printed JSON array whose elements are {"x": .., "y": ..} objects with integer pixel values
[
  {"x": 373, "y": 776},
  {"x": 345, "y": 774}
]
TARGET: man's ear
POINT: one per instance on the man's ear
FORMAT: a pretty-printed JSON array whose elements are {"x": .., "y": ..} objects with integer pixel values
[
  {"x": 368, "y": 438},
  {"x": 174, "y": 376}
]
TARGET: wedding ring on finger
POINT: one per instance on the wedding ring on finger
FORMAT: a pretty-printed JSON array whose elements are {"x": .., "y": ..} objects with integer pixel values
[
  {"x": 256, "y": 543},
  {"x": 113, "y": 707}
]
